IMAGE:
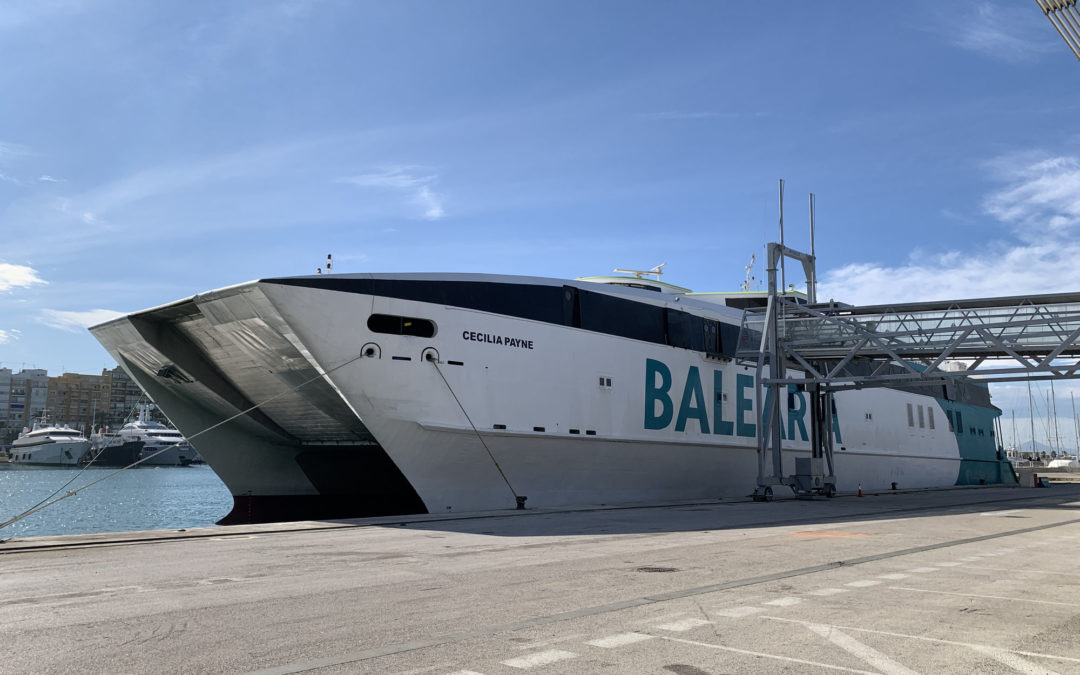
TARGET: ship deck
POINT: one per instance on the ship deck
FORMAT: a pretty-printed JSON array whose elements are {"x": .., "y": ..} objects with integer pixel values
[{"x": 967, "y": 580}]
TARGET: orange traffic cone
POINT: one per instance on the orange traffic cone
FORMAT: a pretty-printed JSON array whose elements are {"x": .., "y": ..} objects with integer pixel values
[{"x": 860, "y": 489}]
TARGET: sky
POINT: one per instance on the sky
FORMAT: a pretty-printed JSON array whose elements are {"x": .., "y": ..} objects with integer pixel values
[{"x": 151, "y": 151}]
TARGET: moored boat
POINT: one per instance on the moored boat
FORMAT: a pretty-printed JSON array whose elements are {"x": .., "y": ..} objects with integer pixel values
[
  {"x": 156, "y": 444},
  {"x": 109, "y": 449},
  {"x": 372, "y": 394},
  {"x": 46, "y": 444}
]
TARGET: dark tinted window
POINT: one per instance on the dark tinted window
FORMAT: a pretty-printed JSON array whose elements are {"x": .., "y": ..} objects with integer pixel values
[{"x": 400, "y": 325}]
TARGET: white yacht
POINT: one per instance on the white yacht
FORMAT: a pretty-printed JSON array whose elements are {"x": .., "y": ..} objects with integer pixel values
[
  {"x": 161, "y": 446},
  {"x": 49, "y": 445}
]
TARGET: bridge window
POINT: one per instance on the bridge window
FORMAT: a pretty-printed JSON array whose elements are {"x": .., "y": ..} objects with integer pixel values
[
  {"x": 930, "y": 416},
  {"x": 922, "y": 421},
  {"x": 910, "y": 416},
  {"x": 400, "y": 325}
]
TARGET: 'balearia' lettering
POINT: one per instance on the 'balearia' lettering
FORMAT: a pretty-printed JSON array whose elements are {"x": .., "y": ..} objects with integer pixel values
[{"x": 695, "y": 415}]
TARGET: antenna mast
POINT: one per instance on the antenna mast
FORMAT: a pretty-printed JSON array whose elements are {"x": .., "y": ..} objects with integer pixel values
[
  {"x": 746, "y": 283},
  {"x": 783, "y": 274},
  {"x": 811, "y": 283}
]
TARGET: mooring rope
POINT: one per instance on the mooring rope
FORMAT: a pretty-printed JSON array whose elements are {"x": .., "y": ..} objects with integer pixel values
[
  {"x": 45, "y": 503},
  {"x": 517, "y": 498}
]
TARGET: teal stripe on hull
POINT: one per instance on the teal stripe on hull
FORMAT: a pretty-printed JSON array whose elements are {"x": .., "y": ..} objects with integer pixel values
[{"x": 981, "y": 462}]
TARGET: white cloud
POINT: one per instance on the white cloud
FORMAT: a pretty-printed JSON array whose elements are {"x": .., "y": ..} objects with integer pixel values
[
  {"x": 11, "y": 150},
  {"x": 1043, "y": 194},
  {"x": 404, "y": 179},
  {"x": 88, "y": 217},
  {"x": 9, "y": 335},
  {"x": 1040, "y": 202},
  {"x": 76, "y": 322},
  {"x": 1008, "y": 33},
  {"x": 21, "y": 276},
  {"x": 10, "y": 179},
  {"x": 46, "y": 178}
]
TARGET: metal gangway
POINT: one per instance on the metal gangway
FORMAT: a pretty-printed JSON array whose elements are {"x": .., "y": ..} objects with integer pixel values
[{"x": 831, "y": 347}]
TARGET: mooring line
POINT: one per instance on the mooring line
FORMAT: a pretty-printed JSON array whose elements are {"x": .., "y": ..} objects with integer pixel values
[
  {"x": 517, "y": 498},
  {"x": 45, "y": 503}
]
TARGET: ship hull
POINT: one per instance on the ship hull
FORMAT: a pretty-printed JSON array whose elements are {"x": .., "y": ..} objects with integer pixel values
[
  {"x": 340, "y": 412},
  {"x": 50, "y": 454}
]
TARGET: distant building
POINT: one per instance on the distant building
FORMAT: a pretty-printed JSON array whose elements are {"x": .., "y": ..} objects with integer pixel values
[
  {"x": 85, "y": 402},
  {"x": 22, "y": 399},
  {"x": 81, "y": 401},
  {"x": 124, "y": 394}
]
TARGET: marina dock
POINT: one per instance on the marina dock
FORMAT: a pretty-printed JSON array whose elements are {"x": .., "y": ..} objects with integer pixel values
[{"x": 965, "y": 580}]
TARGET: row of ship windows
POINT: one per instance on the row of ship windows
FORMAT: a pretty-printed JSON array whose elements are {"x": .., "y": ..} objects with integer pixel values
[
  {"x": 607, "y": 315},
  {"x": 588, "y": 432},
  {"x": 926, "y": 420}
]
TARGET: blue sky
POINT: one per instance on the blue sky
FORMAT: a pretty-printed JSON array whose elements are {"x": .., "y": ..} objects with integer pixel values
[{"x": 149, "y": 151}]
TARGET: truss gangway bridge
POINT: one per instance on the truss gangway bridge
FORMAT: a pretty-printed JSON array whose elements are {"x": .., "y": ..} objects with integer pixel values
[{"x": 827, "y": 347}]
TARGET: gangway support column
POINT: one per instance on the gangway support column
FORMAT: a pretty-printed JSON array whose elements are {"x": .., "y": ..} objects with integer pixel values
[{"x": 810, "y": 473}]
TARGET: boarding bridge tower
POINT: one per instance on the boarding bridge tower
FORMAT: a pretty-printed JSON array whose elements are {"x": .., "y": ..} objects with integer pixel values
[{"x": 827, "y": 347}]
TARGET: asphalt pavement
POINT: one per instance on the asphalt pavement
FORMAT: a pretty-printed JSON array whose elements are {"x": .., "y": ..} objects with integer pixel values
[{"x": 983, "y": 580}]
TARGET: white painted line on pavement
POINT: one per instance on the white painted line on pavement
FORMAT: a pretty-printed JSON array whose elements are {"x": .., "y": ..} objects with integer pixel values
[
  {"x": 539, "y": 659},
  {"x": 828, "y": 591},
  {"x": 1015, "y": 662},
  {"x": 924, "y": 570},
  {"x": 988, "y": 597},
  {"x": 766, "y": 655},
  {"x": 863, "y": 583},
  {"x": 867, "y": 653},
  {"x": 620, "y": 640},
  {"x": 662, "y": 617},
  {"x": 1025, "y": 569},
  {"x": 894, "y": 576},
  {"x": 738, "y": 612},
  {"x": 784, "y": 602},
  {"x": 685, "y": 624},
  {"x": 923, "y": 638},
  {"x": 948, "y": 564}
]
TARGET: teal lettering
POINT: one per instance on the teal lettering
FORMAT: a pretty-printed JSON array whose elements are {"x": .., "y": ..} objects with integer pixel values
[
  {"x": 657, "y": 393},
  {"x": 743, "y": 405},
  {"x": 796, "y": 413},
  {"x": 693, "y": 403},
  {"x": 719, "y": 425}
]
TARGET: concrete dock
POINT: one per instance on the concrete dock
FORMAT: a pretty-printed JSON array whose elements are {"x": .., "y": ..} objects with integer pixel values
[{"x": 983, "y": 580}]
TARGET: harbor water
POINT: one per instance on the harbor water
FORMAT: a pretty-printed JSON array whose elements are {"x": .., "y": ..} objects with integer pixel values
[{"x": 143, "y": 498}]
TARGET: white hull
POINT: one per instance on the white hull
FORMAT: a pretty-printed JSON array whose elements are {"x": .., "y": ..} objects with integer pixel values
[
  {"x": 504, "y": 406},
  {"x": 429, "y": 432},
  {"x": 173, "y": 455},
  {"x": 52, "y": 454}
]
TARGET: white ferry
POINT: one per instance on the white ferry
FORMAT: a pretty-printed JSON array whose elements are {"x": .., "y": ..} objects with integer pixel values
[
  {"x": 47, "y": 444},
  {"x": 373, "y": 394}
]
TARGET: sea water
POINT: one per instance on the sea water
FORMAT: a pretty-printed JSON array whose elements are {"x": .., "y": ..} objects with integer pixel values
[{"x": 143, "y": 498}]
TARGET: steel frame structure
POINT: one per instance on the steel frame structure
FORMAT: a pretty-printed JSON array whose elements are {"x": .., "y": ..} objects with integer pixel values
[{"x": 834, "y": 347}]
